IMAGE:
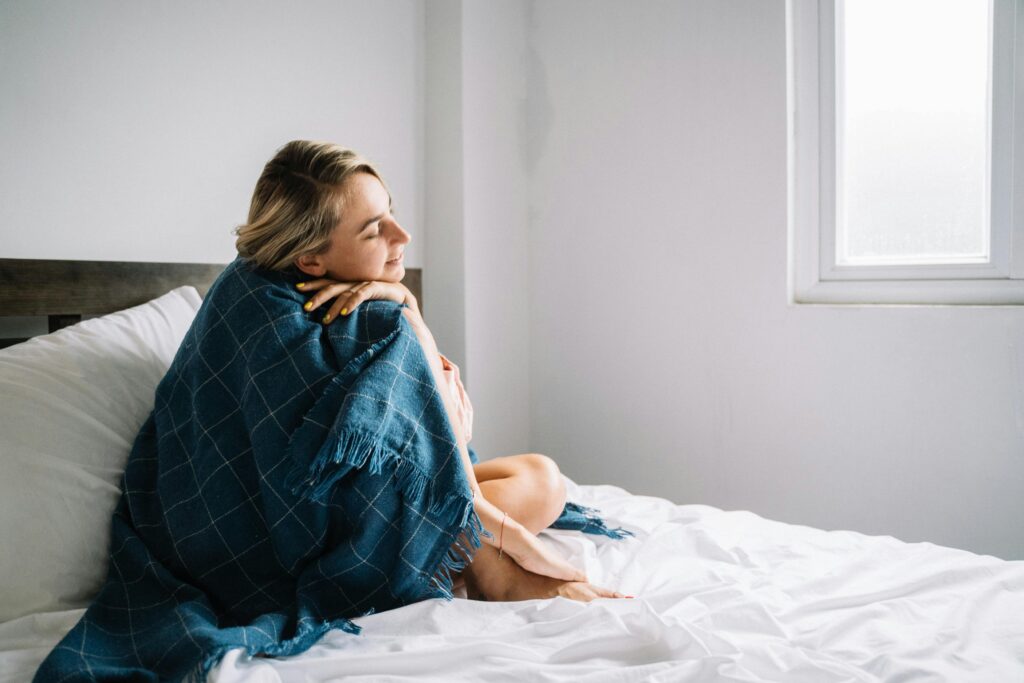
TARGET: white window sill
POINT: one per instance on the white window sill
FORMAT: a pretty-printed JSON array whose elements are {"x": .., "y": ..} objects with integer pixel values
[{"x": 919, "y": 292}]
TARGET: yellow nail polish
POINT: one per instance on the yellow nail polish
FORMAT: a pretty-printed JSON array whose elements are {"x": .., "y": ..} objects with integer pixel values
[
  {"x": 309, "y": 305},
  {"x": 344, "y": 311},
  {"x": 301, "y": 285},
  {"x": 327, "y": 318}
]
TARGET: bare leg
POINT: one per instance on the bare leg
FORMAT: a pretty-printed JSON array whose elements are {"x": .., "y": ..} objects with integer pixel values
[
  {"x": 531, "y": 490},
  {"x": 528, "y": 487},
  {"x": 507, "y": 491},
  {"x": 500, "y": 579}
]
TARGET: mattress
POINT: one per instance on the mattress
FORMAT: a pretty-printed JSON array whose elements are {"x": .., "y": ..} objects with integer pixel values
[{"x": 720, "y": 596}]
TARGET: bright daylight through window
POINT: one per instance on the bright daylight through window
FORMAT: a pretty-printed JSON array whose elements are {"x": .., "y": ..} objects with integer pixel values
[
  {"x": 912, "y": 134},
  {"x": 903, "y": 143}
]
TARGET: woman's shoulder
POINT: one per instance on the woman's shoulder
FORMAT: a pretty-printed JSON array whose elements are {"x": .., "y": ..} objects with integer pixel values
[
  {"x": 245, "y": 299},
  {"x": 241, "y": 279}
]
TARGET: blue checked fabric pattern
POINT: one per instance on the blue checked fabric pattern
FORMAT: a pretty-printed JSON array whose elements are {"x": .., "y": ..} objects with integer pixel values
[{"x": 291, "y": 477}]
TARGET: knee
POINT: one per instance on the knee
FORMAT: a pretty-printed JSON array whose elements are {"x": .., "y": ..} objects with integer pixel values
[
  {"x": 547, "y": 478},
  {"x": 542, "y": 467}
]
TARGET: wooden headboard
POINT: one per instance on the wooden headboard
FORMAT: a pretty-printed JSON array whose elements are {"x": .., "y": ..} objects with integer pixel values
[{"x": 64, "y": 291}]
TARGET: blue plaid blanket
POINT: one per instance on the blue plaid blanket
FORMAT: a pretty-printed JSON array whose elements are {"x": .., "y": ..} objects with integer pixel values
[{"x": 291, "y": 477}]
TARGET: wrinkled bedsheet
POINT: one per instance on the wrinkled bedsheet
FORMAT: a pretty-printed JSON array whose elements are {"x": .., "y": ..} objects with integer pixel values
[{"x": 720, "y": 596}]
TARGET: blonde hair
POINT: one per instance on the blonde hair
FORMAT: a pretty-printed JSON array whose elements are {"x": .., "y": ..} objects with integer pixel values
[{"x": 297, "y": 202}]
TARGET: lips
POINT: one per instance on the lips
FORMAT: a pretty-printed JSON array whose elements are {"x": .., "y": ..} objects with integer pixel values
[{"x": 397, "y": 259}]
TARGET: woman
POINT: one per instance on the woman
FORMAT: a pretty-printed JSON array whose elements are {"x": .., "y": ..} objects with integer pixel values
[
  {"x": 326, "y": 212},
  {"x": 306, "y": 462}
]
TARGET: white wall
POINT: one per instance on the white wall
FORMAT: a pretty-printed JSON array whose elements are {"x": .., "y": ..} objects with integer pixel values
[
  {"x": 136, "y": 130},
  {"x": 497, "y": 204},
  {"x": 664, "y": 355},
  {"x": 444, "y": 266},
  {"x": 476, "y": 285}
]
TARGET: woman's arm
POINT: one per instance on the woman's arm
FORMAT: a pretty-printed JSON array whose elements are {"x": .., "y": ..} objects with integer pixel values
[{"x": 515, "y": 539}]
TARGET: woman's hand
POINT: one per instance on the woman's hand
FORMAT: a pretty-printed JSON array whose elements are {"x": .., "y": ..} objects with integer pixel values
[
  {"x": 530, "y": 553},
  {"x": 584, "y": 592},
  {"x": 351, "y": 294}
]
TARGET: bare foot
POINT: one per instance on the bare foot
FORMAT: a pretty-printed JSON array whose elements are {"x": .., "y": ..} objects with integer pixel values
[{"x": 502, "y": 580}]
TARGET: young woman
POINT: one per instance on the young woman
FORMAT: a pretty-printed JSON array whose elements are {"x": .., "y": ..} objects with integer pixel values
[
  {"x": 325, "y": 211},
  {"x": 294, "y": 476}
]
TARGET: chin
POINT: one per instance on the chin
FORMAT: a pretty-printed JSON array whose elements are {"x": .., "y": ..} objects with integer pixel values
[{"x": 390, "y": 274}]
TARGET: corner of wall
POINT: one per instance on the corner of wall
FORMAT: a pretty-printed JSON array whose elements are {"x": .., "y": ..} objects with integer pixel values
[{"x": 443, "y": 213}]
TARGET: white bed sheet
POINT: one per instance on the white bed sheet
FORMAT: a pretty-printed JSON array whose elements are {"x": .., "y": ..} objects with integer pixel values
[{"x": 721, "y": 596}]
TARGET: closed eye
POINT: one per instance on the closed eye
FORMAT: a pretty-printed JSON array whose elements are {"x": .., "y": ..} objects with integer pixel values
[{"x": 391, "y": 212}]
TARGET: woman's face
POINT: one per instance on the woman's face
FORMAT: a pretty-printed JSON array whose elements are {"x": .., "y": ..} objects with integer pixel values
[{"x": 368, "y": 243}]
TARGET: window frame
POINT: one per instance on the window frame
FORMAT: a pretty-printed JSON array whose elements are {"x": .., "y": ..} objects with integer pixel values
[{"x": 814, "y": 277}]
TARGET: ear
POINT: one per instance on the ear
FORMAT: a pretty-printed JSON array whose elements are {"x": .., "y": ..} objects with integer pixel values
[{"x": 310, "y": 264}]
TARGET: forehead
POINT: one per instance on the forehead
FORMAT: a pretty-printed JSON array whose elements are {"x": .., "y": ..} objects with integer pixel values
[{"x": 363, "y": 192}]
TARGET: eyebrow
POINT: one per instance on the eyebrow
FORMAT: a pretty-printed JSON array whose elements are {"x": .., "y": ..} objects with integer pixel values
[
  {"x": 369, "y": 223},
  {"x": 375, "y": 218}
]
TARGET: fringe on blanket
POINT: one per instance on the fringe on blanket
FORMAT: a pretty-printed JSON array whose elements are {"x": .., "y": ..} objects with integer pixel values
[
  {"x": 340, "y": 456},
  {"x": 357, "y": 450},
  {"x": 458, "y": 556},
  {"x": 578, "y": 517}
]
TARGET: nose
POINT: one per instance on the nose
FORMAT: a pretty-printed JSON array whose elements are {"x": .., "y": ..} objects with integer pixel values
[{"x": 398, "y": 233}]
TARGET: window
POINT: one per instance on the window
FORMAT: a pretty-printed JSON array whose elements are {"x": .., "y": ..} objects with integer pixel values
[{"x": 903, "y": 151}]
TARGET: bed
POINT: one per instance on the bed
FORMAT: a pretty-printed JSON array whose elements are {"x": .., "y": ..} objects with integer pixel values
[{"x": 720, "y": 595}]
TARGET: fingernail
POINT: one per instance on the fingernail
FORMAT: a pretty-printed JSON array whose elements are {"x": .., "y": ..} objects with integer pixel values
[
  {"x": 309, "y": 305},
  {"x": 301, "y": 285},
  {"x": 630, "y": 596},
  {"x": 327, "y": 318},
  {"x": 344, "y": 311}
]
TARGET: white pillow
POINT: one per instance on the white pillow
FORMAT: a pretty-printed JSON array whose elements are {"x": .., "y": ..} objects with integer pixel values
[{"x": 71, "y": 404}]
